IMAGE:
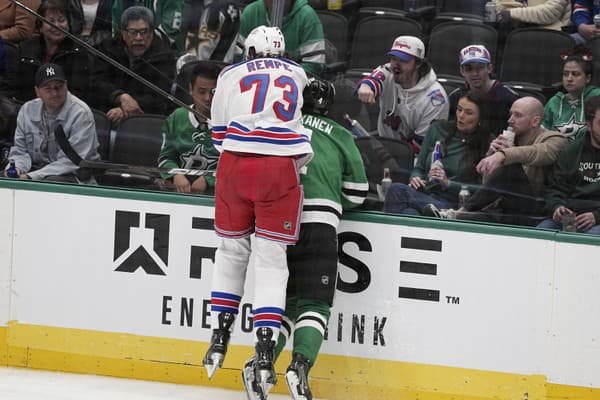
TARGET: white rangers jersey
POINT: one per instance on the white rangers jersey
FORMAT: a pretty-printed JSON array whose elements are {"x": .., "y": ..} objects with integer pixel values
[{"x": 257, "y": 109}]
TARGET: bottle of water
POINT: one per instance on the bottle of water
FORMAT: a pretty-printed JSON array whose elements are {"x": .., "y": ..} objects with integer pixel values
[
  {"x": 463, "y": 196},
  {"x": 12, "y": 172},
  {"x": 357, "y": 129},
  {"x": 386, "y": 181}
]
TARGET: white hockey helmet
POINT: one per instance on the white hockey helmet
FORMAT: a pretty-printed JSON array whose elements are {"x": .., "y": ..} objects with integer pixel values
[{"x": 264, "y": 41}]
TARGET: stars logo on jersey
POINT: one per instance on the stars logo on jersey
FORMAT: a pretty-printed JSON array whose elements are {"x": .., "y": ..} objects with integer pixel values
[
  {"x": 437, "y": 98},
  {"x": 199, "y": 157},
  {"x": 571, "y": 127}
]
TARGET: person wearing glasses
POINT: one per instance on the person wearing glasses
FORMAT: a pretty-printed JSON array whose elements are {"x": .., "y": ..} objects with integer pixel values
[
  {"x": 146, "y": 53},
  {"x": 52, "y": 45}
]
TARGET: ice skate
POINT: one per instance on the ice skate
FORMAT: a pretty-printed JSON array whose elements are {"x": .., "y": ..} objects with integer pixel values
[
  {"x": 217, "y": 350},
  {"x": 253, "y": 390},
  {"x": 296, "y": 377},
  {"x": 264, "y": 371}
]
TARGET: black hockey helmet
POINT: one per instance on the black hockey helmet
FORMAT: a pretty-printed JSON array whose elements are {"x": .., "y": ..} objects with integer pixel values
[{"x": 318, "y": 96}]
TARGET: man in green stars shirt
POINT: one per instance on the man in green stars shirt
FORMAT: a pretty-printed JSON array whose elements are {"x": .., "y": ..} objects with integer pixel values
[{"x": 187, "y": 139}]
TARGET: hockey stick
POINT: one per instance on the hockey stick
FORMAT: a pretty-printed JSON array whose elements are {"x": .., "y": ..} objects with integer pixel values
[{"x": 123, "y": 169}]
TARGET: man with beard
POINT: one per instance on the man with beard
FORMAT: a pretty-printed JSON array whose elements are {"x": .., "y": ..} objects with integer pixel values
[
  {"x": 575, "y": 183},
  {"x": 409, "y": 95},
  {"x": 187, "y": 139}
]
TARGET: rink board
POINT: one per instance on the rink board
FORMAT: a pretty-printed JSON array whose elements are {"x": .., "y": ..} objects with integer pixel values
[{"x": 113, "y": 282}]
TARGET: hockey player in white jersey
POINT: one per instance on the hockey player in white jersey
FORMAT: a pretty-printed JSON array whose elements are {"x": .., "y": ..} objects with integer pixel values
[{"x": 256, "y": 119}]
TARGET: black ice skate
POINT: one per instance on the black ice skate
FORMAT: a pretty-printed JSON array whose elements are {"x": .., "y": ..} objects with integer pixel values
[
  {"x": 264, "y": 371},
  {"x": 253, "y": 390},
  {"x": 215, "y": 354},
  {"x": 296, "y": 377}
]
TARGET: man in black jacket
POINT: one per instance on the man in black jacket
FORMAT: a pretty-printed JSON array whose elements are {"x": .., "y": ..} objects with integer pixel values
[
  {"x": 574, "y": 192},
  {"x": 144, "y": 51}
]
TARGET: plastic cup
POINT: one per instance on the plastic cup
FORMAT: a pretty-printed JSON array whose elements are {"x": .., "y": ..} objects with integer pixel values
[{"x": 568, "y": 223}]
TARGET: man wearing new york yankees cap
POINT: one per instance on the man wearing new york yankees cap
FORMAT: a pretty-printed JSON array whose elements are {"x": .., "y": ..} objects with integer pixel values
[
  {"x": 408, "y": 92},
  {"x": 35, "y": 151},
  {"x": 476, "y": 67}
]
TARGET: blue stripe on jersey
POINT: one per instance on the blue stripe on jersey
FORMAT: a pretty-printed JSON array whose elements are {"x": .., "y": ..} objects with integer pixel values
[
  {"x": 258, "y": 139},
  {"x": 225, "y": 295},
  {"x": 227, "y": 309}
]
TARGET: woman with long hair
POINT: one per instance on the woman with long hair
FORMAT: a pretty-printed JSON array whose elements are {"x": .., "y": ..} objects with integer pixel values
[{"x": 464, "y": 141}]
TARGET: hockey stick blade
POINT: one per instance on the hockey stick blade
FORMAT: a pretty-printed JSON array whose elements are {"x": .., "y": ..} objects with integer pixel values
[{"x": 65, "y": 146}]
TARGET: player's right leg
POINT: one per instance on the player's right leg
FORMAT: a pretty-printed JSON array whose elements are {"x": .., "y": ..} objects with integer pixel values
[{"x": 231, "y": 261}]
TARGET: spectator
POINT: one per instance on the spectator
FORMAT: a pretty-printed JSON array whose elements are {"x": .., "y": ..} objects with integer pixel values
[
  {"x": 476, "y": 67},
  {"x": 410, "y": 97},
  {"x": 187, "y": 142},
  {"x": 211, "y": 29},
  {"x": 16, "y": 24},
  {"x": 464, "y": 142},
  {"x": 51, "y": 46},
  {"x": 574, "y": 188},
  {"x": 144, "y": 53},
  {"x": 35, "y": 150},
  {"x": 548, "y": 14},
  {"x": 515, "y": 176},
  {"x": 168, "y": 15},
  {"x": 583, "y": 19},
  {"x": 302, "y": 29},
  {"x": 256, "y": 116},
  {"x": 90, "y": 20},
  {"x": 335, "y": 180},
  {"x": 564, "y": 112}
]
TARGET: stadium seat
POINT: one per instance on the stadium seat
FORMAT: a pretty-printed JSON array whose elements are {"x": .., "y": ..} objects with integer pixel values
[
  {"x": 336, "y": 32},
  {"x": 446, "y": 41},
  {"x": 137, "y": 142},
  {"x": 104, "y": 132},
  {"x": 378, "y": 153},
  {"x": 468, "y": 7},
  {"x": 531, "y": 57},
  {"x": 594, "y": 45},
  {"x": 373, "y": 37}
]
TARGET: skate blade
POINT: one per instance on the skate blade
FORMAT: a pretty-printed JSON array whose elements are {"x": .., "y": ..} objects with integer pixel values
[
  {"x": 252, "y": 390},
  {"x": 214, "y": 364},
  {"x": 265, "y": 381},
  {"x": 293, "y": 382}
]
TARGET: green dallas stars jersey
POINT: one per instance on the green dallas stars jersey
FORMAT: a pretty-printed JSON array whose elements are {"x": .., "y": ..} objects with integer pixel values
[
  {"x": 335, "y": 178},
  {"x": 187, "y": 144}
]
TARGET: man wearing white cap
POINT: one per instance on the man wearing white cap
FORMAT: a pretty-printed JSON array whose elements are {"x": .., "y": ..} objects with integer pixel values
[
  {"x": 409, "y": 95},
  {"x": 476, "y": 67}
]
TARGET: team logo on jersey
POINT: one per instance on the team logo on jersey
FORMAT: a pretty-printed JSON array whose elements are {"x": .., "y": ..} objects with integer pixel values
[
  {"x": 287, "y": 225},
  {"x": 437, "y": 98},
  {"x": 571, "y": 127},
  {"x": 325, "y": 279}
]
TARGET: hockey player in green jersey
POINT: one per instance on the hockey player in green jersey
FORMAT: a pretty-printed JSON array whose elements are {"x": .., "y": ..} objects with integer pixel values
[
  {"x": 187, "y": 141},
  {"x": 333, "y": 180}
]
